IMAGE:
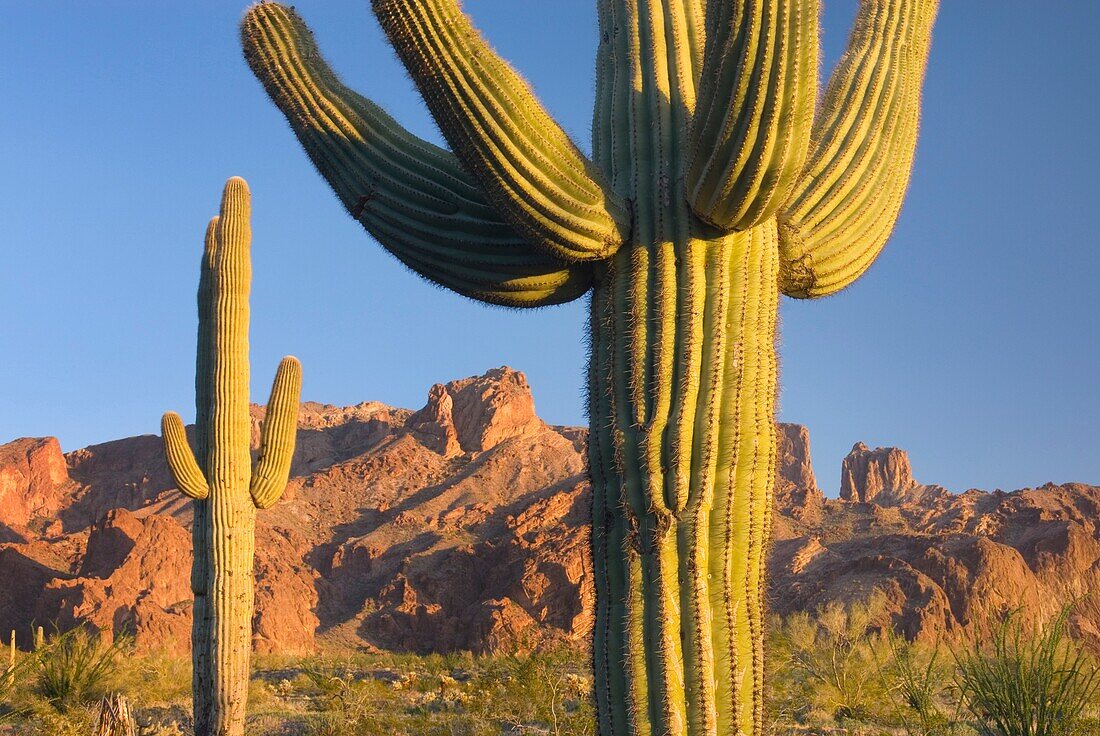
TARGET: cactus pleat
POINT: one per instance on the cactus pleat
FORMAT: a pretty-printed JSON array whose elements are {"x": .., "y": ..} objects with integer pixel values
[
  {"x": 704, "y": 134},
  {"x": 863, "y": 143},
  {"x": 225, "y": 515},
  {"x": 202, "y": 678}
]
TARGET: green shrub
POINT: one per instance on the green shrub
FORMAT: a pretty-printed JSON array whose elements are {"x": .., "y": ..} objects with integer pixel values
[
  {"x": 71, "y": 667},
  {"x": 1027, "y": 685},
  {"x": 826, "y": 664},
  {"x": 919, "y": 682}
]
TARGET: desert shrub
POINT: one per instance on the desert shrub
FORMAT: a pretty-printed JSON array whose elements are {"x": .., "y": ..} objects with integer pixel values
[
  {"x": 42, "y": 718},
  {"x": 71, "y": 667},
  {"x": 919, "y": 681},
  {"x": 546, "y": 693},
  {"x": 152, "y": 679},
  {"x": 439, "y": 695},
  {"x": 827, "y": 663},
  {"x": 1027, "y": 683}
]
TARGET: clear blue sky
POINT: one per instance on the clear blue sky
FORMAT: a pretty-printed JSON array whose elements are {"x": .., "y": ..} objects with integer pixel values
[{"x": 972, "y": 342}]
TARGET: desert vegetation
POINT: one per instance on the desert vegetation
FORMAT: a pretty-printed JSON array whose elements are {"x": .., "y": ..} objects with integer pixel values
[{"x": 842, "y": 671}]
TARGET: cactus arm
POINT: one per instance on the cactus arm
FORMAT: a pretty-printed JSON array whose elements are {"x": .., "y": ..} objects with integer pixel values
[
  {"x": 181, "y": 460},
  {"x": 847, "y": 200},
  {"x": 277, "y": 437},
  {"x": 413, "y": 197},
  {"x": 751, "y": 127},
  {"x": 526, "y": 164}
]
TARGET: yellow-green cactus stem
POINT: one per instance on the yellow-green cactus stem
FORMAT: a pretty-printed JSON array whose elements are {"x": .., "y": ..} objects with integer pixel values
[
  {"x": 850, "y": 193},
  {"x": 219, "y": 475},
  {"x": 712, "y": 188},
  {"x": 749, "y": 148}
]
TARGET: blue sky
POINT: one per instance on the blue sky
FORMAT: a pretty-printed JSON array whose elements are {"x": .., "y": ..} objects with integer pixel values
[{"x": 973, "y": 342}]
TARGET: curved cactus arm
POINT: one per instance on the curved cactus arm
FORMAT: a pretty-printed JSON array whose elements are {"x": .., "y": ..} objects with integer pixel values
[
  {"x": 526, "y": 164},
  {"x": 181, "y": 460},
  {"x": 751, "y": 128},
  {"x": 850, "y": 193},
  {"x": 277, "y": 436},
  {"x": 413, "y": 197}
]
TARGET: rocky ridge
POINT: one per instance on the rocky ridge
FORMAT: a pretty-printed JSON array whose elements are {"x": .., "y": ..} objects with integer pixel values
[{"x": 464, "y": 526}]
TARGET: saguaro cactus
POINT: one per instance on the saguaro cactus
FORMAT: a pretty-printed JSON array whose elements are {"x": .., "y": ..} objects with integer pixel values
[
  {"x": 219, "y": 475},
  {"x": 716, "y": 183}
]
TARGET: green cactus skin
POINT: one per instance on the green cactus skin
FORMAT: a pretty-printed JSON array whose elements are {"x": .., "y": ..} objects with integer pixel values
[
  {"x": 219, "y": 475},
  {"x": 715, "y": 184}
]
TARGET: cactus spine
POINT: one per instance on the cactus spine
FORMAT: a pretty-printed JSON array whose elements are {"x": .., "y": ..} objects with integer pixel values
[
  {"x": 716, "y": 183},
  {"x": 219, "y": 475}
]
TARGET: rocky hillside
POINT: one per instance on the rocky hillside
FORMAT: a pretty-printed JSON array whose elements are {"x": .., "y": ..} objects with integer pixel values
[{"x": 464, "y": 526}]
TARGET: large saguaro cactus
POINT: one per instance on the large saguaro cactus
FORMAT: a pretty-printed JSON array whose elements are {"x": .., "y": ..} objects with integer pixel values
[
  {"x": 716, "y": 183},
  {"x": 219, "y": 475}
]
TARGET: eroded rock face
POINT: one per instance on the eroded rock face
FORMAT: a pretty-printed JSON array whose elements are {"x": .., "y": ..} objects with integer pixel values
[
  {"x": 34, "y": 482},
  {"x": 476, "y": 414},
  {"x": 130, "y": 561},
  {"x": 879, "y": 475},
  {"x": 798, "y": 500},
  {"x": 465, "y": 525}
]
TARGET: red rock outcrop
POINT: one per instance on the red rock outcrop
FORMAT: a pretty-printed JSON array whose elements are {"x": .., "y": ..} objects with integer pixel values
[
  {"x": 34, "y": 481},
  {"x": 464, "y": 525},
  {"x": 130, "y": 563},
  {"x": 796, "y": 493},
  {"x": 875, "y": 475}
]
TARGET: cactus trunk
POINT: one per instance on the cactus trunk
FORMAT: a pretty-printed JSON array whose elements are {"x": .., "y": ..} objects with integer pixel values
[
  {"x": 230, "y": 517},
  {"x": 681, "y": 408},
  {"x": 682, "y": 455},
  {"x": 713, "y": 186},
  {"x": 219, "y": 474}
]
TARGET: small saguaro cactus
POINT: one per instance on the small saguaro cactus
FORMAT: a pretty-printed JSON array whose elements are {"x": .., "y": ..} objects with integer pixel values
[
  {"x": 219, "y": 475},
  {"x": 717, "y": 182},
  {"x": 9, "y": 673}
]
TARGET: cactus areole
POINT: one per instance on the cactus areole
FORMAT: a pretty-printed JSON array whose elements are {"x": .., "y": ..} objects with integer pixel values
[
  {"x": 219, "y": 474},
  {"x": 716, "y": 183}
]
